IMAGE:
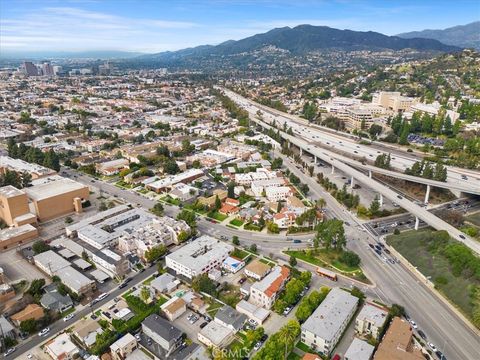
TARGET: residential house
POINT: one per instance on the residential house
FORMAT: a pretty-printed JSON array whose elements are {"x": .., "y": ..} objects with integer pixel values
[
  {"x": 123, "y": 347},
  {"x": 164, "y": 284},
  {"x": 86, "y": 331},
  {"x": 230, "y": 318},
  {"x": 174, "y": 308},
  {"x": 233, "y": 264},
  {"x": 398, "y": 343},
  {"x": 252, "y": 311},
  {"x": 216, "y": 335},
  {"x": 284, "y": 219},
  {"x": 257, "y": 270},
  {"x": 31, "y": 311},
  {"x": 359, "y": 350},
  {"x": 162, "y": 332},
  {"x": 61, "y": 348}
]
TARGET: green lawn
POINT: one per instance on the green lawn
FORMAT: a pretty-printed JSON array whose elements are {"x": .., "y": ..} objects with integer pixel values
[
  {"x": 416, "y": 247},
  {"x": 217, "y": 216},
  {"x": 171, "y": 200},
  {"x": 67, "y": 312},
  {"x": 329, "y": 259},
  {"x": 303, "y": 347},
  {"x": 239, "y": 253},
  {"x": 149, "y": 280},
  {"x": 236, "y": 222},
  {"x": 293, "y": 356},
  {"x": 213, "y": 308}
]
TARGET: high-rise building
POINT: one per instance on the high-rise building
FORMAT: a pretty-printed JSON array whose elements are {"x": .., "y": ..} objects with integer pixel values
[
  {"x": 47, "y": 69},
  {"x": 29, "y": 68}
]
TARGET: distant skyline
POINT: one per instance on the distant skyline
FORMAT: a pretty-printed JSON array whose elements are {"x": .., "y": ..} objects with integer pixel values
[{"x": 153, "y": 26}]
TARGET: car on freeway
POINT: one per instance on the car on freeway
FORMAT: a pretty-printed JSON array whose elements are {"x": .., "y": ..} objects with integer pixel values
[
  {"x": 296, "y": 241},
  {"x": 9, "y": 351},
  {"x": 44, "y": 332},
  {"x": 69, "y": 317}
]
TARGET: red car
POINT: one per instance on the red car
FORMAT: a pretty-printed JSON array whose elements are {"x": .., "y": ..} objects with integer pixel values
[{"x": 336, "y": 357}]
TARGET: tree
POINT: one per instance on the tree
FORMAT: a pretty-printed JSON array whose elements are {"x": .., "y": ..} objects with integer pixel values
[
  {"x": 374, "y": 206},
  {"x": 350, "y": 258},
  {"x": 273, "y": 228},
  {"x": 157, "y": 209},
  {"x": 202, "y": 283},
  {"x": 231, "y": 190},
  {"x": 253, "y": 248},
  {"x": 218, "y": 203},
  {"x": 26, "y": 179},
  {"x": 358, "y": 293},
  {"x": 171, "y": 167},
  {"x": 40, "y": 246},
  {"x": 36, "y": 288},
  {"x": 183, "y": 236},
  {"x": 292, "y": 261},
  {"x": 235, "y": 240},
  {"x": 309, "y": 111},
  {"x": 332, "y": 234},
  {"x": 28, "y": 326},
  {"x": 155, "y": 253},
  {"x": 188, "y": 217},
  {"x": 288, "y": 334},
  {"x": 144, "y": 294},
  {"x": 396, "y": 310}
]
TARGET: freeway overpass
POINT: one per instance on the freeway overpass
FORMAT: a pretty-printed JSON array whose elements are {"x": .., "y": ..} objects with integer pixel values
[
  {"x": 461, "y": 180},
  {"x": 418, "y": 211}
]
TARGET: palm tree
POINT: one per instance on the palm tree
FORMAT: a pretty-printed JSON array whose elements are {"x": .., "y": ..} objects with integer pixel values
[{"x": 289, "y": 333}]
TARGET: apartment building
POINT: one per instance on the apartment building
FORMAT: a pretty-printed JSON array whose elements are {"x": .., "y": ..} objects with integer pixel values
[
  {"x": 20, "y": 166},
  {"x": 201, "y": 256},
  {"x": 123, "y": 347},
  {"x": 167, "y": 182},
  {"x": 257, "y": 270},
  {"x": 325, "y": 326},
  {"x": 264, "y": 292},
  {"x": 371, "y": 320},
  {"x": 162, "y": 332},
  {"x": 162, "y": 231}
]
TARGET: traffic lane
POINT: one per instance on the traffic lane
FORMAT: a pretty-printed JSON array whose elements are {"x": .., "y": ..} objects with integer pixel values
[{"x": 61, "y": 325}]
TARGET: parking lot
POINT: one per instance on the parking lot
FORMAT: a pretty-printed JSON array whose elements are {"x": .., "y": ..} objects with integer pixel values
[
  {"x": 190, "y": 329},
  {"x": 17, "y": 269}
]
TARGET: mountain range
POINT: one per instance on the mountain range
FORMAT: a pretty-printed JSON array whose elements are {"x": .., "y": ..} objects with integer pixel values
[
  {"x": 465, "y": 36},
  {"x": 303, "y": 39}
]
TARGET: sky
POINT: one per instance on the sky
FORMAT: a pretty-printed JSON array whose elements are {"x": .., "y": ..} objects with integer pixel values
[{"x": 151, "y": 26}]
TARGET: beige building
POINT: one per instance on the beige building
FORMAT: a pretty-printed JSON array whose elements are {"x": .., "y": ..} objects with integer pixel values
[
  {"x": 61, "y": 348},
  {"x": 393, "y": 100},
  {"x": 56, "y": 196},
  {"x": 257, "y": 270},
  {"x": 11, "y": 237},
  {"x": 123, "y": 347},
  {"x": 264, "y": 292},
  {"x": 14, "y": 210},
  {"x": 174, "y": 308}
]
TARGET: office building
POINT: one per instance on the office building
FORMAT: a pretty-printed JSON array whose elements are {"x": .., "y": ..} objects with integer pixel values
[{"x": 29, "y": 68}]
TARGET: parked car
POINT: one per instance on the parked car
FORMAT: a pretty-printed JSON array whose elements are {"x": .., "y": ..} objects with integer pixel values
[
  {"x": 101, "y": 297},
  {"x": 69, "y": 317},
  {"x": 252, "y": 322},
  {"x": 287, "y": 310},
  {"x": 433, "y": 347},
  {"x": 296, "y": 241},
  {"x": 44, "y": 332},
  {"x": 413, "y": 323},
  {"x": 242, "y": 280},
  {"x": 202, "y": 325},
  {"x": 422, "y": 334},
  {"x": 9, "y": 351},
  {"x": 257, "y": 346}
]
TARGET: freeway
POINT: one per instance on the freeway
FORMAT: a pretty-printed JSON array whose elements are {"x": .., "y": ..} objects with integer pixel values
[
  {"x": 402, "y": 222},
  {"x": 418, "y": 211},
  {"x": 467, "y": 180},
  {"x": 396, "y": 284}
]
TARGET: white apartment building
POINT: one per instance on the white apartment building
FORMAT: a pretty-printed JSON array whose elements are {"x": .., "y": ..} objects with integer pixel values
[
  {"x": 325, "y": 326},
  {"x": 278, "y": 193},
  {"x": 198, "y": 257},
  {"x": 259, "y": 186},
  {"x": 370, "y": 320},
  {"x": 162, "y": 231},
  {"x": 264, "y": 292}
]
